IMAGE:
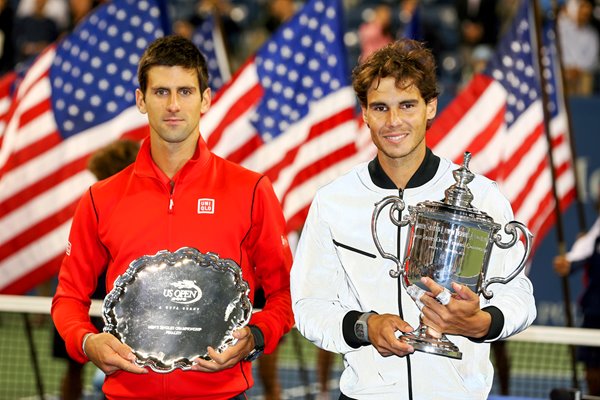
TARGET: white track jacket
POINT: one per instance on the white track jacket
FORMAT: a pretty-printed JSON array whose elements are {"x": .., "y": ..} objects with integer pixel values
[{"x": 337, "y": 269}]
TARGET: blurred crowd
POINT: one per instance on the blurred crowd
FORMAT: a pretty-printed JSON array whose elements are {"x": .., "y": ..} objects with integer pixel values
[{"x": 462, "y": 33}]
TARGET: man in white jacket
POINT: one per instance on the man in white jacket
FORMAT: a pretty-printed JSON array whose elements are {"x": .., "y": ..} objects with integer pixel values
[{"x": 340, "y": 283}]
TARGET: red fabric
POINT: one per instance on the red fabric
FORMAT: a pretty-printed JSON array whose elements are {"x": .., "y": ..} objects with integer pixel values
[{"x": 129, "y": 215}]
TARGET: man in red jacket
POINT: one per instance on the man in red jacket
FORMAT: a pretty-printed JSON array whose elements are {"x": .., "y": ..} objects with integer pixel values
[{"x": 154, "y": 205}]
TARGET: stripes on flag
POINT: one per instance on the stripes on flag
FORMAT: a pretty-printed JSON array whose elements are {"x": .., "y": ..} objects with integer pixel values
[{"x": 499, "y": 118}]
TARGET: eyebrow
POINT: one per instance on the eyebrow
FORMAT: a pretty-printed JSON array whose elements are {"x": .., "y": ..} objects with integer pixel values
[
  {"x": 383, "y": 103},
  {"x": 157, "y": 87}
]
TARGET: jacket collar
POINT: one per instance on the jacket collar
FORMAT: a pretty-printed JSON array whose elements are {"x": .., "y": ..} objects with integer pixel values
[
  {"x": 145, "y": 165},
  {"x": 424, "y": 173}
]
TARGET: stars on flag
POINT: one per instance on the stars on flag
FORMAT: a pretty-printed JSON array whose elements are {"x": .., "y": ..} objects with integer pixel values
[{"x": 94, "y": 73}]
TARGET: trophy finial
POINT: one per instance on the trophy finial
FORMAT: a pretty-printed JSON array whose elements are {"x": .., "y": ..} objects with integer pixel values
[{"x": 459, "y": 194}]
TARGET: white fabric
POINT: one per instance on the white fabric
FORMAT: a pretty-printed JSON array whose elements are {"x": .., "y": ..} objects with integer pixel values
[
  {"x": 328, "y": 281},
  {"x": 584, "y": 246}
]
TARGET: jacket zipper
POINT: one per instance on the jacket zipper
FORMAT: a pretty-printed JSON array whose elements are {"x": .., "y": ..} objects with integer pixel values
[
  {"x": 171, "y": 192},
  {"x": 398, "y": 251}
]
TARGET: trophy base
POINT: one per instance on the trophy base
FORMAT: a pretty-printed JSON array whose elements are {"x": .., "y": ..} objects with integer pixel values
[{"x": 420, "y": 340}]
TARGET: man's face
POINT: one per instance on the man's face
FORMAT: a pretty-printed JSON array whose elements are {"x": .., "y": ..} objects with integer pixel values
[
  {"x": 174, "y": 103},
  {"x": 397, "y": 119}
]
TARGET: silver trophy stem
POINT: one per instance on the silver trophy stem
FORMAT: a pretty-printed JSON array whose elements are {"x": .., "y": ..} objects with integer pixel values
[
  {"x": 422, "y": 340},
  {"x": 425, "y": 338}
]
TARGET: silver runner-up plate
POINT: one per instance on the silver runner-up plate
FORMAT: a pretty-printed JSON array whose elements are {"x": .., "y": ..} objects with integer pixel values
[{"x": 171, "y": 306}]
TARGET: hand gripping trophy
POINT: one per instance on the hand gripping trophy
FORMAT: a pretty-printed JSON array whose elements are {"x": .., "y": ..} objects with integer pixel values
[{"x": 449, "y": 241}]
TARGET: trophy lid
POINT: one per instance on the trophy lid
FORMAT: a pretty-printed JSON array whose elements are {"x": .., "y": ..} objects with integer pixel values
[
  {"x": 459, "y": 194},
  {"x": 457, "y": 203}
]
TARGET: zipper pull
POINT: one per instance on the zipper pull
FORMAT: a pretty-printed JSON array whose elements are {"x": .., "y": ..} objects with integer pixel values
[{"x": 171, "y": 202}]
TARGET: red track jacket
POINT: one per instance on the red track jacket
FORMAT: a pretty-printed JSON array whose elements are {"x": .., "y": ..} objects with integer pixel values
[{"x": 140, "y": 211}]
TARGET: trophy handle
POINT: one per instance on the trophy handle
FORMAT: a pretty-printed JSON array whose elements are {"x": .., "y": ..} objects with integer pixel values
[
  {"x": 397, "y": 205},
  {"x": 510, "y": 228}
]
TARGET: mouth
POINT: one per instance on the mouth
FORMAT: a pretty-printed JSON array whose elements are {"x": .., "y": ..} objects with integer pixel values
[
  {"x": 173, "y": 121},
  {"x": 395, "y": 137}
]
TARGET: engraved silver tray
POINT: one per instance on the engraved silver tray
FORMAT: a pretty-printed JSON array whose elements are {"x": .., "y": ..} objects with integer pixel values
[{"x": 171, "y": 306}]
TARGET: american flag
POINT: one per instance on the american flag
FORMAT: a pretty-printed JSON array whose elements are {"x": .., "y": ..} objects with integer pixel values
[
  {"x": 499, "y": 118},
  {"x": 290, "y": 112},
  {"x": 75, "y": 98}
]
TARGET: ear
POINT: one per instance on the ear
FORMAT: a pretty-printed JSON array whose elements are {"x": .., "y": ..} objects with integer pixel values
[
  {"x": 139, "y": 101},
  {"x": 432, "y": 108},
  {"x": 206, "y": 100},
  {"x": 364, "y": 116}
]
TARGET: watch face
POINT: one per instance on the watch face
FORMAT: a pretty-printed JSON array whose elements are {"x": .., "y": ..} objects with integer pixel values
[
  {"x": 253, "y": 355},
  {"x": 359, "y": 330}
]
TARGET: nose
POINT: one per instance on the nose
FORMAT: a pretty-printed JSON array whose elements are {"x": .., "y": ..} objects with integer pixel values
[
  {"x": 394, "y": 117},
  {"x": 173, "y": 104}
]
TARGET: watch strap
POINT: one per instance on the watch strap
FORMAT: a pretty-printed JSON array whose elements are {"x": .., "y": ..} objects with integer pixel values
[{"x": 259, "y": 343}]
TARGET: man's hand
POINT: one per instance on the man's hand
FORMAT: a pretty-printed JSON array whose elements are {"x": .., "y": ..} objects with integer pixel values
[
  {"x": 230, "y": 357},
  {"x": 111, "y": 355},
  {"x": 562, "y": 266},
  {"x": 383, "y": 335},
  {"x": 461, "y": 316}
]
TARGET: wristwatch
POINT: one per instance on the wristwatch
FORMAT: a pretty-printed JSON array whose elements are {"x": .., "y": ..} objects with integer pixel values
[
  {"x": 259, "y": 343},
  {"x": 360, "y": 327}
]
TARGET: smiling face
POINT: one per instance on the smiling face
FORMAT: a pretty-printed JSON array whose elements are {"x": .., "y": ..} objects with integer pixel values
[
  {"x": 174, "y": 103},
  {"x": 397, "y": 118}
]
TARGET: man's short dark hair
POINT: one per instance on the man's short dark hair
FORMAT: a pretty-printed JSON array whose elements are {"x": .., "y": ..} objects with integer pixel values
[{"x": 172, "y": 51}]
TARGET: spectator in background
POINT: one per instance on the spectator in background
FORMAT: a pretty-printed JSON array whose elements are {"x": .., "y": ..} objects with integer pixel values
[
  {"x": 7, "y": 47},
  {"x": 579, "y": 46},
  {"x": 479, "y": 26},
  {"x": 376, "y": 32},
  {"x": 187, "y": 24},
  {"x": 279, "y": 12},
  {"x": 80, "y": 9},
  {"x": 34, "y": 32},
  {"x": 410, "y": 25},
  {"x": 104, "y": 163},
  {"x": 55, "y": 10}
]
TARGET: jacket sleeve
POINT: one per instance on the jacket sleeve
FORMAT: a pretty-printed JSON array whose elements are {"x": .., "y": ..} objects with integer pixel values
[
  {"x": 271, "y": 258},
  {"x": 84, "y": 261},
  {"x": 321, "y": 295},
  {"x": 514, "y": 299}
]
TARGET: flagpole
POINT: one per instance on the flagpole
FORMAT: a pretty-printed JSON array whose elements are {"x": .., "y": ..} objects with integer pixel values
[
  {"x": 580, "y": 207},
  {"x": 221, "y": 46},
  {"x": 560, "y": 235}
]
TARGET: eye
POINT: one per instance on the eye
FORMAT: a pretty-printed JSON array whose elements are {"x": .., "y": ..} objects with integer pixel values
[
  {"x": 161, "y": 92},
  {"x": 408, "y": 106},
  {"x": 185, "y": 91},
  {"x": 379, "y": 108}
]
